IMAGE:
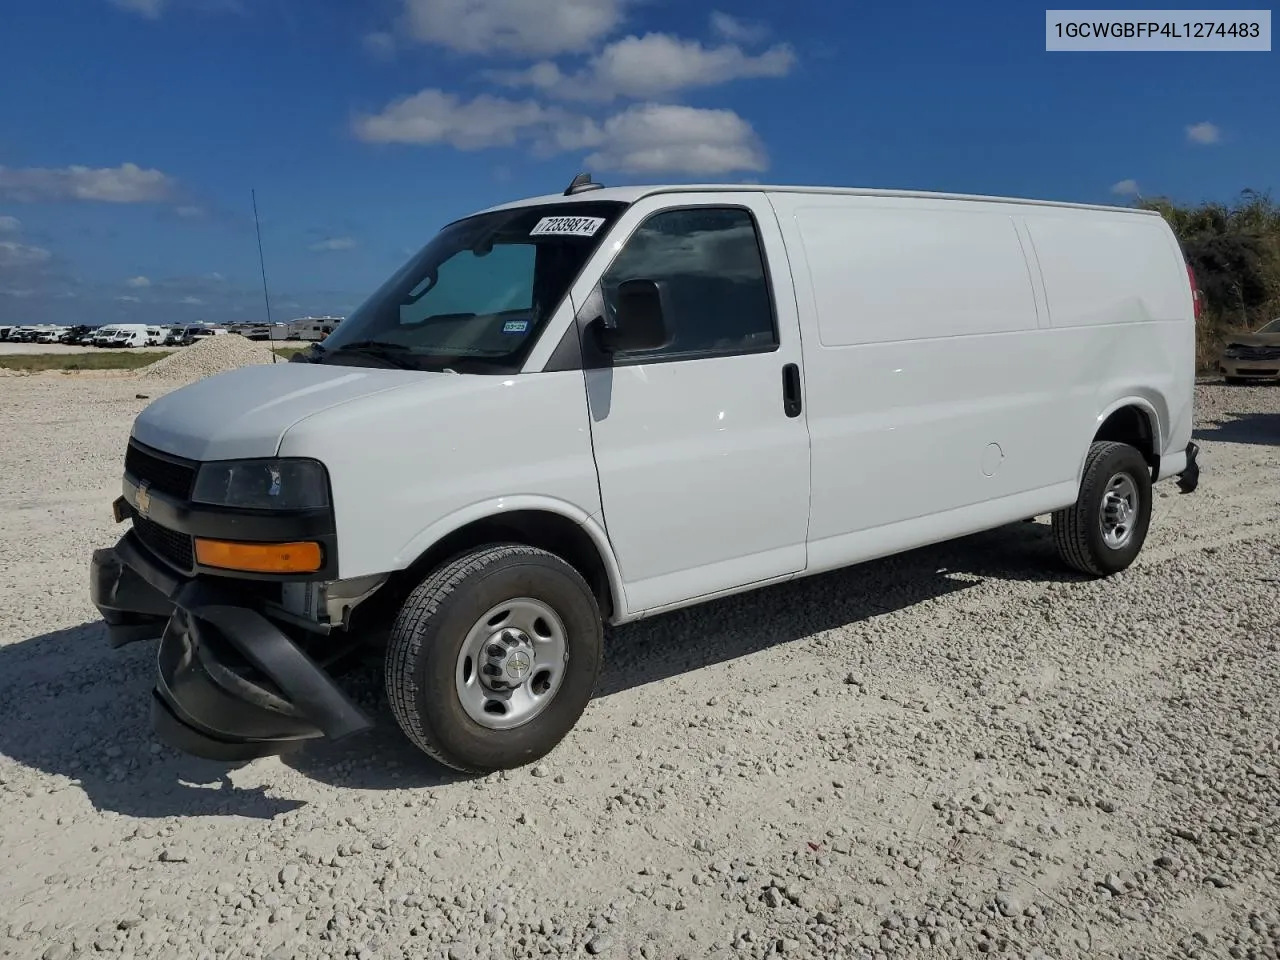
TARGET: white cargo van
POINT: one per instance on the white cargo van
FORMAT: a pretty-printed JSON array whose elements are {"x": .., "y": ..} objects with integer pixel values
[
  {"x": 104, "y": 335},
  {"x": 589, "y": 408},
  {"x": 125, "y": 335}
]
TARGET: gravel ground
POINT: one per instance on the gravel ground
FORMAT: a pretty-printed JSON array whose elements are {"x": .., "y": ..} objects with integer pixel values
[{"x": 958, "y": 751}]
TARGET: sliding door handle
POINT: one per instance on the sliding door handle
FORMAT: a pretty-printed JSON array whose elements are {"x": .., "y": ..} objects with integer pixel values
[{"x": 791, "y": 402}]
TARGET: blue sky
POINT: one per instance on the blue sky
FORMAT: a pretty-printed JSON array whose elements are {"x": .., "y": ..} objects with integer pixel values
[{"x": 132, "y": 131}]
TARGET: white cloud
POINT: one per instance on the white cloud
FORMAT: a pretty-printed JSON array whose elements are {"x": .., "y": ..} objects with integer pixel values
[
  {"x": 540, "y": 29},
  {"x": 334, "y": 243},
  {"x": 737, "y": 31},
  {"x": 379, "y": 44},
  {"x": 215, "y": 277},
  {"x": 151, "y": 9},
  {"x": 653, "y": 138},
  {"x": 138, "y": 283},
  {"x": 192, "y": 301},
  {"x": 127, "y": 183},
  {"x": 14, "y": 255},
  {"x": 650, "y": 66},
  {"x": 1204, "y": 133},
  {"x": 189, "y": 213},
  {"x": 1125, "y": 188},
  {"x": 433, "y": 116},
  {"x": 10, "y": 225},
  {"x": 645, "y": 138},
  {"x": 128, "y": 299}
]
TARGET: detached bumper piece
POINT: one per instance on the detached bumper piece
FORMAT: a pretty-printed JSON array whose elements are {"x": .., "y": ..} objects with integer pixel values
[
  {"x": 231, "y": 685},
  {"x": 1189, "y": 478}
]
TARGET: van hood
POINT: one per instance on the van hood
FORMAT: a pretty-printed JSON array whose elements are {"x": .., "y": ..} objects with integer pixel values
[{"x": 244, "y": 413}]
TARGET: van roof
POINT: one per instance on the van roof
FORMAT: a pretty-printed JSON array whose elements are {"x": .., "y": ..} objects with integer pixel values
[{"x": 634, "y": 193}]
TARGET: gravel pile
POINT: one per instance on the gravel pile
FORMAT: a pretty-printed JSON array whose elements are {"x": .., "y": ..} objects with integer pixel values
[
  {"x": 958, "y": 752},
  {"x": 206, "y": 357}
]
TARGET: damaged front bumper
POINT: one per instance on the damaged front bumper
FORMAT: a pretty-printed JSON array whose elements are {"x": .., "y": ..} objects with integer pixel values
[
  {"x": 231, "y": 685},
  {"x": 1189, "y": 478}
]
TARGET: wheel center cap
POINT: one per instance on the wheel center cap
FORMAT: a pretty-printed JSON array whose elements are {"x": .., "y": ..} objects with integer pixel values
[{"x": 518, "y": 665}]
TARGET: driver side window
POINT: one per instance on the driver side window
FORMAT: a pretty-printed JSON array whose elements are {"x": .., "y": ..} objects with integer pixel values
[{"x": 718, "y": 294}]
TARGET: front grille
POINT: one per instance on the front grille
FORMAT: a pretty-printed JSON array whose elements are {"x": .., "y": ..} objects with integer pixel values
[
  {"x": 166, "y": 474},
  {"x": 169, "y": 545},
  {"x": 1254, "y": 353}
]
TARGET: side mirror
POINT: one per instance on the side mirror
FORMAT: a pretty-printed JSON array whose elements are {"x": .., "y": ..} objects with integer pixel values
[{"x": 641, "y": 321}]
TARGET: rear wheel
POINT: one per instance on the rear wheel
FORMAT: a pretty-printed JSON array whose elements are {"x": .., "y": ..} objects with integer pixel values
[
  {"x": 1103, "y": 532},
  {"x": 494, "y": 657}
]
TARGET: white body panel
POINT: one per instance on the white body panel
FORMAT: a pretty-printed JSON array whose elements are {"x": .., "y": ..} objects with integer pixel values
[
  {"x": 416, "y": 463},
  {"x": 947, "y": 379},
  {"x": 957, "y": 357},
  {"x": 704, "y": 479}
]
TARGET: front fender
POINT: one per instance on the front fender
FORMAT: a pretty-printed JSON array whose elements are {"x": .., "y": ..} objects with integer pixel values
[{"x": 421, "y": 542}]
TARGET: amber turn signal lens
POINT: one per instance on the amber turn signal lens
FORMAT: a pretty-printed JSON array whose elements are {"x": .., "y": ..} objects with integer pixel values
[{"x": 259, "y": 557}]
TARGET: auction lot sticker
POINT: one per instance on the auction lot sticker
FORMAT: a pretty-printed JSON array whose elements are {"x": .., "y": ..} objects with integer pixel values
[{"x": 567, "y": 227}]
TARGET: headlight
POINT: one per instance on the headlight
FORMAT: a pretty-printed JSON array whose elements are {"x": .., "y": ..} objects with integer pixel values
[
  {"x": 1233, "y": 350},
  {"x": 263, "y": 484}
]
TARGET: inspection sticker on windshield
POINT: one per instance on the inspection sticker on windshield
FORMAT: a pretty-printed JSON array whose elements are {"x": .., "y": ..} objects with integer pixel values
[
  {"x": 515, "y": 326},
  {"x": 567, "y": 227}
]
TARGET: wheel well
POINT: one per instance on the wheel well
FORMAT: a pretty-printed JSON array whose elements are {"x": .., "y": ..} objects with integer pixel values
[
  {"x": 1133, "y": 426},
  {"x": 534, "y": 528}
]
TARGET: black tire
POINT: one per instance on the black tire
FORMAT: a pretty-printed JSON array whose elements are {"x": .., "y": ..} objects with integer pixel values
[
  {"x": 1077, "y": 530},
  {"x": 427, "y": 637}
]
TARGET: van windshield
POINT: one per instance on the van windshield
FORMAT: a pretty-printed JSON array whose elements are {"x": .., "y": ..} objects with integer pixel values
[{"x": 476, "y": 297}]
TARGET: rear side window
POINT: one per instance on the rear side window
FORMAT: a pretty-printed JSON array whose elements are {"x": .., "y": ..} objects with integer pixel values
[{"x": 710, "y": 262}]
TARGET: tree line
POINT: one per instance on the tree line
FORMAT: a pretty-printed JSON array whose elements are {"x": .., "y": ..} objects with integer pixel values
[{"x": 1234, "y": 249}]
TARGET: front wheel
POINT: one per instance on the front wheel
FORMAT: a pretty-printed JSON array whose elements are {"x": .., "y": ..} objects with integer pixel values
[
  {"x": 1103, "y": 531},
  {"x": 494, "y": 657}
]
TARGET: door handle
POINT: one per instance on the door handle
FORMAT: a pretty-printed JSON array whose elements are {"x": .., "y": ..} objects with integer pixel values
[{"x": 791, "y": 403}]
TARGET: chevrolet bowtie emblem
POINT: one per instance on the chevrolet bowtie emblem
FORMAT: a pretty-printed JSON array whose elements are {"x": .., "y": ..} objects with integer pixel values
[{"x": 144, "y": 498}]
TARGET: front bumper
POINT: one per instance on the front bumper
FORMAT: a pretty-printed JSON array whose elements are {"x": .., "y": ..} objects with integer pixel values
[
  {"x": 1189, "y": 478},
  {"x": 1261, "y": 369},
  {"x": 231, "y": 684}
]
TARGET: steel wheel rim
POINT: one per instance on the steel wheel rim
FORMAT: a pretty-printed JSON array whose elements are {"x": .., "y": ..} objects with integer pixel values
[
  {"x": 1118, "y": 514},
  {"x": 512, "y": 663}
]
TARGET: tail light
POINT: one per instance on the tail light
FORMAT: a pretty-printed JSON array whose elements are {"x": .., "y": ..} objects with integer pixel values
[{"x": 1197, "y": 298}]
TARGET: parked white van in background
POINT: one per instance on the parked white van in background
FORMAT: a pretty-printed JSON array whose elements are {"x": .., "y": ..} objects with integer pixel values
[
  {"x": 104, "y": 335},
  {"x": 585, "y": 409},
  {"x": 129, "y": 335}
]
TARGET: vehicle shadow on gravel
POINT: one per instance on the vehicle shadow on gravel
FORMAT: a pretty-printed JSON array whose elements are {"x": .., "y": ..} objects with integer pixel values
[
  {"x": 1259, "y": 429},
  {"x": 659, "y": 649},
  {"x": 72, "y": 707},
  {"x": 735, "y": 627}
]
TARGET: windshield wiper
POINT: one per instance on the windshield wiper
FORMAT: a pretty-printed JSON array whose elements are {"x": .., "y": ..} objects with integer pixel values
[{"x": 390, "y": 353}]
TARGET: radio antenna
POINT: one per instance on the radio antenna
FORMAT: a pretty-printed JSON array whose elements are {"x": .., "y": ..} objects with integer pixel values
[{"x": 263, "y": 264}]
